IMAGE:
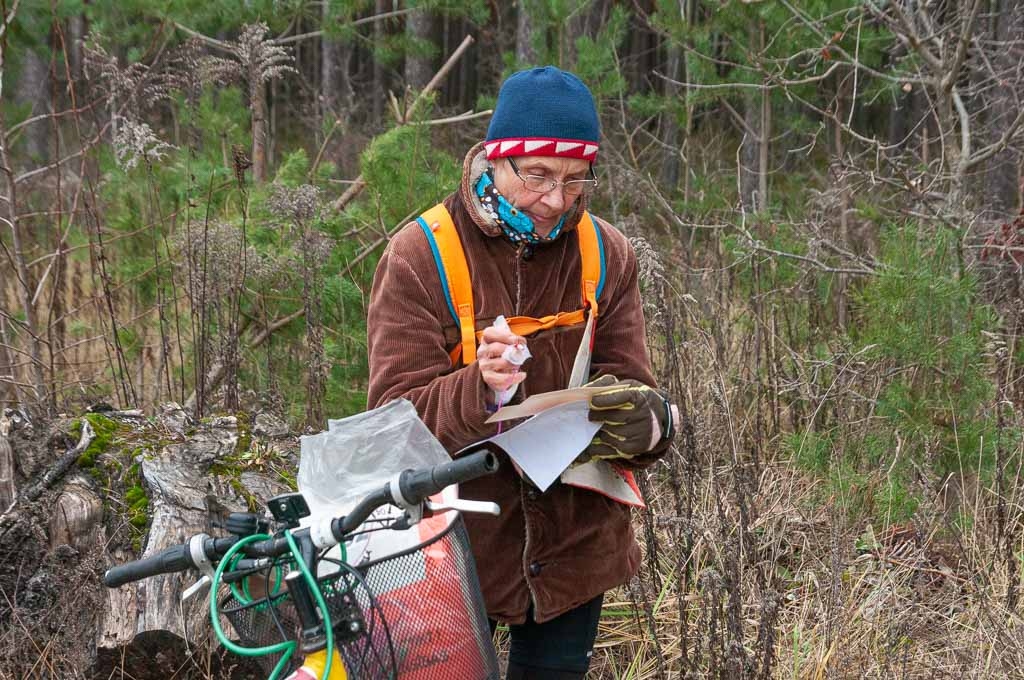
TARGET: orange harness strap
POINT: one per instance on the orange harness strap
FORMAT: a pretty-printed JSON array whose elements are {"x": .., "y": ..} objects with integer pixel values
[
  {"x": 454, "y": 270},
  {"x": 592, "y": 261},
  {"x": 451, "y": 263}
]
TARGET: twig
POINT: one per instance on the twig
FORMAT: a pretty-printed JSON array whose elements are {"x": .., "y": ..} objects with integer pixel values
[
  {"x": 359, "y": 184},
  {"x": 347, "y": 24},
  {"x": 469, "y": 115},
  {"x": 52, "y": 475},
  {"x": 323, "y": 148}
]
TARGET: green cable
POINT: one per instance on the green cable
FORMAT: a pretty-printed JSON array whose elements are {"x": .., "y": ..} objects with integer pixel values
[
  {"x": 244, "y": 595},
  {"x": 286, "y": 648},
  {"x": 311, "y": 582}
]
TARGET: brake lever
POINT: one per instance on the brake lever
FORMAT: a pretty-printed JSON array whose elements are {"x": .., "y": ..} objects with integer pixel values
[
  {"x": 196, "y": 588},
  {"x": 463, "y": 505},
  {"x": 203, "y": 564}
]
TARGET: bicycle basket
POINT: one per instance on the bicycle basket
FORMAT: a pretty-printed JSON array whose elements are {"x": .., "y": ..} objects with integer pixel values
[
  {"x": 419, "y": 613},
  {"x": 360, "y": 632},
  {"x": 431, "y": 599}
]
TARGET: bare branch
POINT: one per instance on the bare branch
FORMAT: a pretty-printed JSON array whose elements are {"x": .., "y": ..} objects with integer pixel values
[
  {"x": 850, "y": 59},
  {"x": 359, "y": 184},
  {"x": 965, "y": 127},
  {"x": 953, "y": 72},
  {"x": 908, "y": 35},
  {"x": 205, "y": 39},
  {"x": 347, "y": 24},
  {"x": 9, "y": 19},
  {"x": 775, "y": 82},
  {"x": 997, "y": 146},
  {"x": 58, "y": 163},
  {"x": 462, "y": 117}
]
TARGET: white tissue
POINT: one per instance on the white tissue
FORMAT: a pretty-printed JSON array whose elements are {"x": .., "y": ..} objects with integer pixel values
[{"x": 514, "y": 354}]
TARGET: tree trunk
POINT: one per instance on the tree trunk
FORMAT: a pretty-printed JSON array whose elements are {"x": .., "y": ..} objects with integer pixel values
[
  {"x": 419, "y": 67},
  {"x": 900, "y": 122},
  {"x": 842, "y": 186},
  {"x": 317, "y": 365},
  {"x": 8, "y": 486},
  {"x": 750, "y": 154},
  {"x": 754, "y": 147},
  {"x": 587, "y": 20},
  {"x": 32, "y": 91},
  {"x": 669, "y": 119},
  {"x": 526, "y": 53},
  {"x": 185, "y": 498},
  {"x": 335, "y": 82},
  {"x": 999, "y": 195},
  {"x": 8, "y": 387},
  {"x": 77, "y": 516},
  {"x": 380, "y": 84},
  {"x": 260, "y": 120},
  {"x": 76, "y": 41},
  {"x": 765, "y": 133},
  {"x": 25, "y": 281}
]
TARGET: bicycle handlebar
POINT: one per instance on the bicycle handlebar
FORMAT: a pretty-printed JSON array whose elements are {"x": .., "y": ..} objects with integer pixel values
[
  {"x": 413, "y": 487},
  {"x": 168, "y": 560}
]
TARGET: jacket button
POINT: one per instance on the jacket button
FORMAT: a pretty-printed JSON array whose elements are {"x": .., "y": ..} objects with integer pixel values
[
  {"x": 531, "y": 494},
  {"x": 535, "y": 569}
]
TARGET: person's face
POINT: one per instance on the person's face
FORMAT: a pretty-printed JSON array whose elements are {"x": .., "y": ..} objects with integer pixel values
[{"x": 544, "y": 209}]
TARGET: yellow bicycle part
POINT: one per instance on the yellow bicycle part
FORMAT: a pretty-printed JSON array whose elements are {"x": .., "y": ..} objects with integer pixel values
[{"x": 315, "y": 663}]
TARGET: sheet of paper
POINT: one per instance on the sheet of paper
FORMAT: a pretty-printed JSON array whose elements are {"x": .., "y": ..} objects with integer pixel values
[
  {"x": 540, "y": 402},
  {"x": 544, "y": 445}
]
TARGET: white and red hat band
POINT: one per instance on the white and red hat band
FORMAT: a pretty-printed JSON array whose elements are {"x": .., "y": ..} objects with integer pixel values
[{"x": 541, "y": 146}]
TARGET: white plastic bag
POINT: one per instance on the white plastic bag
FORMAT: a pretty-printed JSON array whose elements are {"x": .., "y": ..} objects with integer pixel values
[{"x": 358, "y": 454}]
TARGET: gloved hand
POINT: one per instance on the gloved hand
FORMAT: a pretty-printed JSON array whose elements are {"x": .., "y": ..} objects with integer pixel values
[{"x": 634, "y": 417}]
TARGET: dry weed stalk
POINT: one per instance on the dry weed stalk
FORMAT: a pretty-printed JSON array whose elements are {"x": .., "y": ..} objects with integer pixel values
[{"x": 760, "y": 576}]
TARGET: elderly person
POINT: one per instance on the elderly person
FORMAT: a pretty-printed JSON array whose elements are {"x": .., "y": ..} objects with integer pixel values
[{"x": 520, "y": 215}]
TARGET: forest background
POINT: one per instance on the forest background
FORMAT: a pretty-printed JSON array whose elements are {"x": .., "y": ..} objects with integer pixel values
[{"x": 823, "y": 196}]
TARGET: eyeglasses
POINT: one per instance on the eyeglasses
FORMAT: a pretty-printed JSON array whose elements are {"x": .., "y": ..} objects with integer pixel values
[{"x": 540, "y": 184}]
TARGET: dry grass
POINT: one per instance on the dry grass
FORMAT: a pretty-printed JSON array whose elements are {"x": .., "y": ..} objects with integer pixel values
[
  {"x": 910, "y": 606},
  {"x": 757, "y": 569}
]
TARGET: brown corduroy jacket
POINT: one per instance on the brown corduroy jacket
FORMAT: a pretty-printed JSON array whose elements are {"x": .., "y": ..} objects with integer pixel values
[{"x": 556, "y": 549}]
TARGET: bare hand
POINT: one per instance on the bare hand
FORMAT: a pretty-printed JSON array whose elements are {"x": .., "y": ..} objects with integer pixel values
[{"x": 498, "y": 373}]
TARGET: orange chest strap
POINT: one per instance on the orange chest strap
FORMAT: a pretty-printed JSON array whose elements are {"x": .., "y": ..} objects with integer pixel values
[{"x": 457, "y": 285}]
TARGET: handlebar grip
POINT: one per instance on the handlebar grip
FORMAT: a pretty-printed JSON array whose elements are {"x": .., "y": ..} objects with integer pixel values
[
  {"x": 416, "y": 485},
  {"x": 168, "y": 560}
]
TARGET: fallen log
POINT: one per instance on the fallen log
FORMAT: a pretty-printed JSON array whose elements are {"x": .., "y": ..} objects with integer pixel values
[{"x": 190, "y": 491}]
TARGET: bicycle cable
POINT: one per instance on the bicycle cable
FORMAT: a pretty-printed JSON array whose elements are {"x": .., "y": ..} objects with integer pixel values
[{"x": 287, "y": 647}]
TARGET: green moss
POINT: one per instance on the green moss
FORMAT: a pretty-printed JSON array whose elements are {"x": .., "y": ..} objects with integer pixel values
[
  {"x": 104, "y": 429},
  {"x": 136, "y": 499},
  {"x": 244, "y": 434},
  {"x": 239, "y": 488}
]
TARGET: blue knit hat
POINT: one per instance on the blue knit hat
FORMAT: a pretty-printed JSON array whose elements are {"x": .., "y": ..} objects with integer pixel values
[{"x": 544, "y": 112}]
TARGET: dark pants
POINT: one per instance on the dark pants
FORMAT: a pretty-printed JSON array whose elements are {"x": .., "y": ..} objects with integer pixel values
[{"x": 559, "y": 649}]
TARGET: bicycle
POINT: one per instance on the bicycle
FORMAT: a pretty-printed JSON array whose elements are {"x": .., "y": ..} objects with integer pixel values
[{"x": 287, "y": 593}]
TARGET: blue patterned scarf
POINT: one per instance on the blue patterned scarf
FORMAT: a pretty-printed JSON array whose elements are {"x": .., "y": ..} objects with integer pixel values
[{"x": 517, "y": 227}]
